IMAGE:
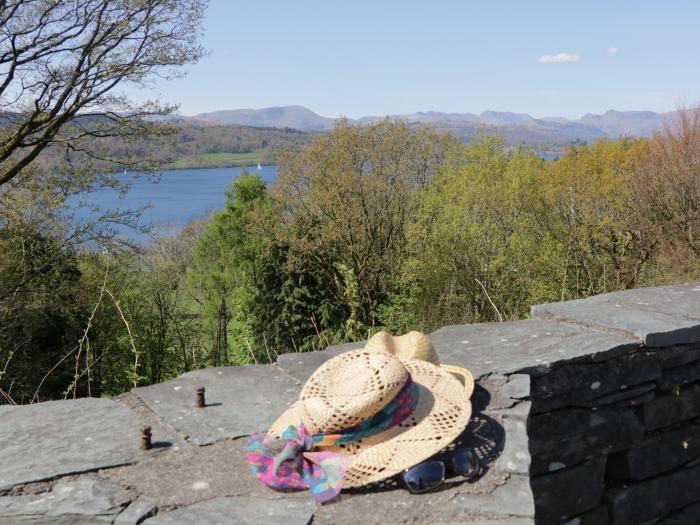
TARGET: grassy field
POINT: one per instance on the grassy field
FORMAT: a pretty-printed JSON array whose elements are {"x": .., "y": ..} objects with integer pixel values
[{"x": 216, "y": 160}]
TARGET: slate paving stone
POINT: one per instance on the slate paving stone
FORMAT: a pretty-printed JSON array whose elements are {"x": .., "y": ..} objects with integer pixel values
[
  {"x": 345, "y": 347},
  {"x": 670, "y": 408},
  {"x": 240, "y": 400},
  {"x": 679, "y": 355},
  {"x": 490, "y": 520},
  {"x": 301, "y": 365},
  {"x": 568, "y": 492},
  {"x": 517, "y": 387},
  {"x": 195, "y": 474},
  {"x": 680, "y": 375},
  {"x": 628, "y": 397},
  {"x": 137, "y": 511},
  {"x": 597, "y": 516},
  {"x": 661, "y": 316},
  {"x": 515, "y": 457},
  {"x": 529, "y": 346},
  {"x": 242, "y": 510},
  {"x": 567, "y": 437},
  {"x": 514, "y": 499},
  {"x": 50, "y": 439},
  {"x": 575, "y": 383},
  {"x": 521, "y": 411},
  {"x": 655, "y": 497},
  {"x": 657, "y": 453},
  {"x": 83, "y": 498},
  {"x": 691, "y": 513},
  {"x": 677, "y": 300}
]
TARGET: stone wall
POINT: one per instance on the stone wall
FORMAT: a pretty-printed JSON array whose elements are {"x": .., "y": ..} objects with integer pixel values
[
  {"x": 613, "y": 425},
  {"x": 587, "y": 413}
]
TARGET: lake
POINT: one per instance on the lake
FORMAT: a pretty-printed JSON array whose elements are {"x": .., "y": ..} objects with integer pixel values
[
  {"x": 179, "y": 196},
  {"x": 176, "y": 197}
]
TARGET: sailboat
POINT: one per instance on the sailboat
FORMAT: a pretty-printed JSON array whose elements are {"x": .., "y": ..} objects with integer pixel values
[{"x": 259, "y": 166}]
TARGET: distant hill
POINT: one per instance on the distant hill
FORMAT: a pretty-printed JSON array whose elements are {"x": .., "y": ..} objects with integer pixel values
[
  {"x": 297, "y": 117},
  {"x": 517, "y": 128},
  {"x": 623, "y": 123}
]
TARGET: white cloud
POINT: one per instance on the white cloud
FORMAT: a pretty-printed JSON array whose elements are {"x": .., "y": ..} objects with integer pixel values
[
  {"x": 612, "y": 50},
  {"x": 561, "y": 57}
]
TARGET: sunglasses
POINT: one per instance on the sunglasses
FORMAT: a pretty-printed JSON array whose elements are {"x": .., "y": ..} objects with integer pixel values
[{"x": 430, "y": 475}]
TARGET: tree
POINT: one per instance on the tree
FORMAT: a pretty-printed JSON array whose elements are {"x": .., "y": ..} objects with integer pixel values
[
  {"x": 589, "y": 203},
  {"x": 477, "y": 253},
  {"x": 224, "y": 265},
  {"x": 667, "y": 184},
  {"x": 343, "y": 207},
  {"x": 61, "y": 63}
]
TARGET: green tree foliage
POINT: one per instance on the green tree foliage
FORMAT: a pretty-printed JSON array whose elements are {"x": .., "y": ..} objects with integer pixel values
[
  {"x": 477, "y": 252},
  {"x": 343, "y": 207},
  {"x": 377, "y": 227}
]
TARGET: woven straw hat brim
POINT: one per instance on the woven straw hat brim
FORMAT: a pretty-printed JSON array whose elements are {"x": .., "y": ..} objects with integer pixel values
[{"x": 442, "y": 414}]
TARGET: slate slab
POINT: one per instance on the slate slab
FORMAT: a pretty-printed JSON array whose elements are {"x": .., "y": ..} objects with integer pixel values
[
  {"x": 567, "y": 437},
  {"x": 655, "y": 497},
  {"x": 682, "y": 300},
  {"x": 195, "y": 474},
  {"x": 301, "y": 365},
  {"x": 628, "y": 397},
  {"x": 517, "y": 387},
  {"x": 575, "y": 383},
  {"x": 514, "y": 499},
  {"x": 46, "y": 440},
  {"x": 597, "y": 516},
  {"x": 531, "y": 346},
  {"x": 241, "y": 510},
  {"x": 680, "y": 375},
  {"x": 661, "y": 316},
  {"x": 240, "y": 400},
  {"x": 515, "y": 456},
  {"x": 568, "y": 492},
  {"x": 658, "y": 453},
  {"x": 670, "y": 408},
  {"x": 679, "y": 355},
  {"x": 85, "y": 498},
  {"x": 137, "y": 511}
]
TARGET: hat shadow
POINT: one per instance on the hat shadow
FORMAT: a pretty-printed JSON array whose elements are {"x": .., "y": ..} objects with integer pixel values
[{"x": 483, "y": 435}]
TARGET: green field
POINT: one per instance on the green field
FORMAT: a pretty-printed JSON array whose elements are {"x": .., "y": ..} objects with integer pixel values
[{"x": 216, "y": 160}]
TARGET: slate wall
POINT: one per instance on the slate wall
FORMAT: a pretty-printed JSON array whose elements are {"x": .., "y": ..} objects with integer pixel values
[
  {"x": 587, "y": 413},
  {"x": 613, "y": 427}
]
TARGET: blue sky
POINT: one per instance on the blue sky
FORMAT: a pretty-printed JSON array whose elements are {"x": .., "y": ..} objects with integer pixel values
[{"x": 358, "y": 57}]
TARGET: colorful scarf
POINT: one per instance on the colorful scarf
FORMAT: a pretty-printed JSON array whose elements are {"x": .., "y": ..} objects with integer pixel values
[{"x": 288, "y": 463}]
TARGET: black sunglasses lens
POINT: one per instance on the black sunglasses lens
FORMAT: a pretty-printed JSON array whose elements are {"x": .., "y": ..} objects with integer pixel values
[
  {"x": 424, "y": 477},
  {"x": 464, "y": 462}
]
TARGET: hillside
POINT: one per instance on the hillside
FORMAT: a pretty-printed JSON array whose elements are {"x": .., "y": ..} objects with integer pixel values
[
  {"x": 517, "y": 128},
  {"x": 297, "y": 117}
]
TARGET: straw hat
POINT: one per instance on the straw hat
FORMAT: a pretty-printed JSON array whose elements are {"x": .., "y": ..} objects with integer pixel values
[{"x": 354, "y": 386}]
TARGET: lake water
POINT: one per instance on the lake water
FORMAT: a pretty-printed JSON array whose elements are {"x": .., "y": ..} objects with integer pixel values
[
  {"x": 174, "y": 198},
  {"x": 177, "y": 196}
]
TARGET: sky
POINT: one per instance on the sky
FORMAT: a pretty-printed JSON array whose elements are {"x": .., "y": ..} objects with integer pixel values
[{"x": 356, "y": 58}]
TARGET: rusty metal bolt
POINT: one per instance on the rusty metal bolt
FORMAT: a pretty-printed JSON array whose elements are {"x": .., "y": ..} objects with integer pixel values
[
  {"x": 146, "y": 438},
  {"x": 199, "y": 397}
]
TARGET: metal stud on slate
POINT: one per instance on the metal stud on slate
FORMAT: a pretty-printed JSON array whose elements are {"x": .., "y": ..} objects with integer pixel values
[
  {"x": 199, "y": 397},
  {"x": 146, "y": 438}
]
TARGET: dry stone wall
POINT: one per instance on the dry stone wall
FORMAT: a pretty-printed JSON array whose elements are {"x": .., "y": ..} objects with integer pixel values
[{"x": 587, "y": 413}]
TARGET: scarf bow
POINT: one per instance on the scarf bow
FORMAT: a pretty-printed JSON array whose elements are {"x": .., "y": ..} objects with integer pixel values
[{"x": 289, "y": 463}]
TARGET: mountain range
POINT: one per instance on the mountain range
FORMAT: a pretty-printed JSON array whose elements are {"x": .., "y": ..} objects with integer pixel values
[{"x": 517, "y": 128}]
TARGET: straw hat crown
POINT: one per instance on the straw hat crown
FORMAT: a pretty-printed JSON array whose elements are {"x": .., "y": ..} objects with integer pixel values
[
  {"x": 412, "y": 345},
  {"x": 349, "y": 389}
]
